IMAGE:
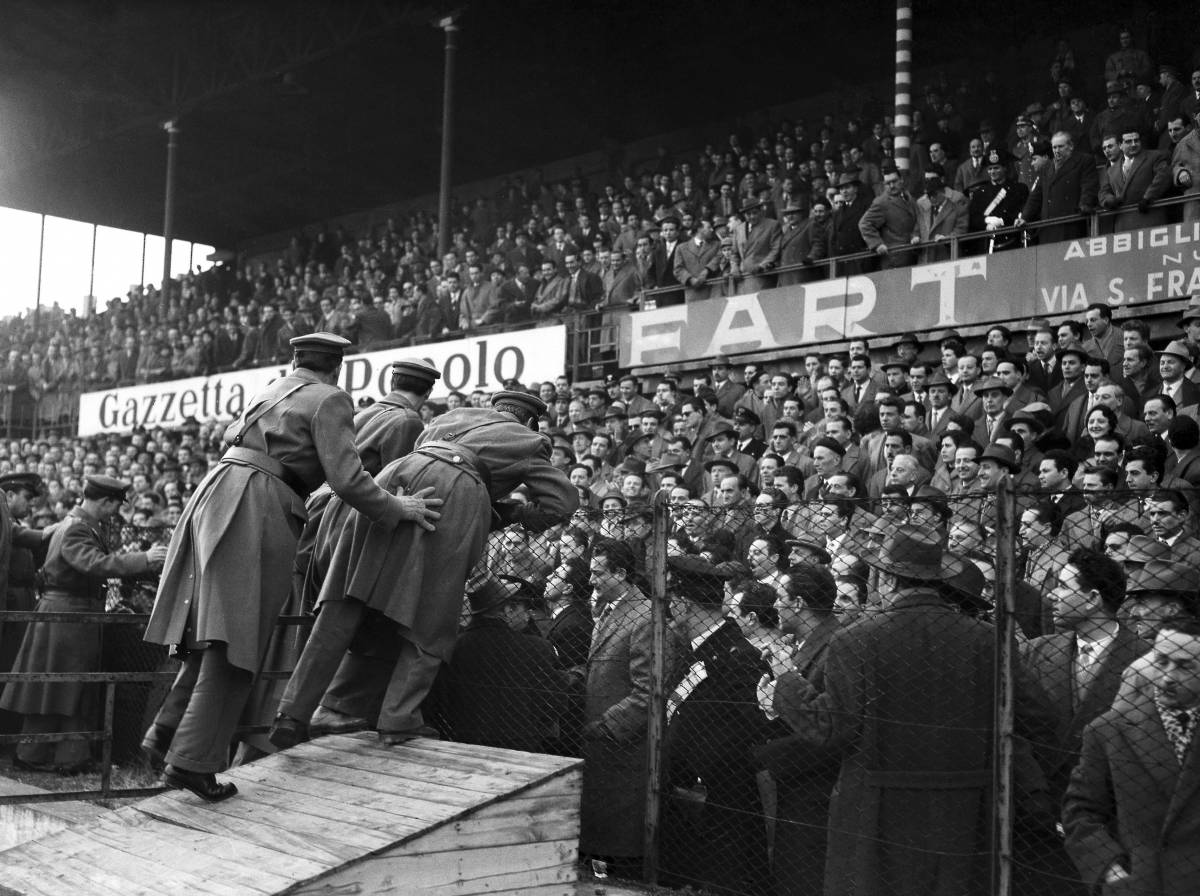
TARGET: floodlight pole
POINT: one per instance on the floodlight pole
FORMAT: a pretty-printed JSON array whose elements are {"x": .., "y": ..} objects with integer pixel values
[
  {"x": 172, "y": 130},
  {"x": 448, "y": 25},
  {"x": 902, "y": 124}
]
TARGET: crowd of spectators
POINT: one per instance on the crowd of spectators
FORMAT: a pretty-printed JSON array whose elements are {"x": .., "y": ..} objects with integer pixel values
[
  {"x": 754, "y": 210},
  {"x": 784, "y": 482}
]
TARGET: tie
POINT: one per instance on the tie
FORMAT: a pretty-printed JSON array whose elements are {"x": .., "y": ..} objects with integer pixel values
[
  {"x": 1084, "y": 662},
  {"x": 1126, "y": 165},
  {"x": 1178, "y": 725}
]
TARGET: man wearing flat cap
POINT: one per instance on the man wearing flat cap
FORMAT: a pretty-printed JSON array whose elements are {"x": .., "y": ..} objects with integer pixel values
[
  {"x": 229, "y": 569},
  {"x": 472, "y": 458},
  {"x": 712, "y": 722},
  {"x": 79, "y": 560},
  {"x": 909, "y": 763}
]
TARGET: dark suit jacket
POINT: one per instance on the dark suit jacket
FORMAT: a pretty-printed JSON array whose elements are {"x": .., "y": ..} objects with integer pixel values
[
  {"x": 570, "y": 634},
  {"x": 1050, "y": 662},
  {"x": 1071, "y": 190},
  {"x": 1149, "y": 178},
  {"x": 1186, "y": 467},
  {"x": 1129, "y": 798}
]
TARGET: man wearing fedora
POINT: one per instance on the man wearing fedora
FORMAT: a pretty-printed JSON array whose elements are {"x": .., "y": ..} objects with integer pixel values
[
  {"x": 844, "y": 236},
  {"x": 910, "y": 811},
  {"x": 758, "y": 249},
  {"x": 792, "y": 248},
  {"x": 502, "y": 687},
  {"x": 1174, "y": 362}
]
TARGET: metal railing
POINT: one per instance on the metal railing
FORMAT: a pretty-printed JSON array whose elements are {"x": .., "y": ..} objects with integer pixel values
[{"x": 110, "y": 680}]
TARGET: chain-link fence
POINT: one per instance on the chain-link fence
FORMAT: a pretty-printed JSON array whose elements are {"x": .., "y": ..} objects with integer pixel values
[{"x": 983, "y": 690}]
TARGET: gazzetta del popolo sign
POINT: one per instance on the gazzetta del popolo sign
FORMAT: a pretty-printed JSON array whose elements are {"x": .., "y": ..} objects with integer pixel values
[{"x": 483, "y": 362}]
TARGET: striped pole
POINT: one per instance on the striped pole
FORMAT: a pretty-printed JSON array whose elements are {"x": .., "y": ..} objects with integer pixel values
[{"x": 903, "y": 118}]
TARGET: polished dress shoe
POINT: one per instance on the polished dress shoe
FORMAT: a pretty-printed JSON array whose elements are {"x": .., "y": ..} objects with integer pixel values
[
  {"x": 330, "y": 721},
  {"x": 286, "y": 732},
  {"x": 156, "y": 743},
  {"x": 391, "y": 738},
  {"x": 203, "y": 784}
]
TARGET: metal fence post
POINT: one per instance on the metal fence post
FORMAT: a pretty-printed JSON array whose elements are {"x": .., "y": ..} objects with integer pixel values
[
  {"x": 656, "y": 573},
  {"x": 1003, "y": 816}
]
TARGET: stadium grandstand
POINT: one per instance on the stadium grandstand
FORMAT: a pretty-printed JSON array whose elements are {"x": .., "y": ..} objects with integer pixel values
[{"x": 767, "y": 333}]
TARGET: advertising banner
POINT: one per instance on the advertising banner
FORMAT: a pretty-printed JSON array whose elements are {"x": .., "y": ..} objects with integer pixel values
[
  {"x": 482, "y": 362},
  {"x": 1061, "y": 279}
]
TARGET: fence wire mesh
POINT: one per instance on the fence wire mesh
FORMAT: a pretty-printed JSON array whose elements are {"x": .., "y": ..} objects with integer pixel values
[{"x": 972, "y": 690}]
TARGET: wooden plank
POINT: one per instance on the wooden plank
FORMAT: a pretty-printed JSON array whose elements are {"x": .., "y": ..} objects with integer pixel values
[
  {"x": 479, "y": 833},
  {"x": 251, "y": 830},
  {"x": 490, "y": 768},
  {"x": 268, "y": 859},
  {"x": 544, "y": 762},
  {"x": 42, "y": 878},
  {"x": 535, "y": 763},
  {"x": 193, "y": 852},
  {"x": 63, "y": 875},
  {"x": 354, "y": 804},
  {"x": 411, "y": 798},
  {"x": 435, "y": 783},
  {"x": 547, "y": 812},
  {"x": 476, "y": 871},
  {"x": 121, "y": 868}
]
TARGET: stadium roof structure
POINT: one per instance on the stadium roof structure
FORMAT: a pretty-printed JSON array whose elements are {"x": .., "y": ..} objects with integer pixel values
[{"x": 294, "y": 112}]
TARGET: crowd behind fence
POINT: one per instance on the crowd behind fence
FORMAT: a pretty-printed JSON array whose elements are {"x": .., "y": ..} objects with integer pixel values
[{"x": 839, "y": 696}]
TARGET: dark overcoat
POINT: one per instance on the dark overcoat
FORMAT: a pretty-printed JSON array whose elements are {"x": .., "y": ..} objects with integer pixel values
[{"x": 229, "y": 566}]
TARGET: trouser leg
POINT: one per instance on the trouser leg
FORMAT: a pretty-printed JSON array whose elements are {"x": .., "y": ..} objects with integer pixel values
[
  {"x": 411, "y": 680},
  {"x": 336, "y": 624},
  {"x": 204, "y": 733},
  {"x": 359, "y": 685},
  {"x": 173, "y": 707}
]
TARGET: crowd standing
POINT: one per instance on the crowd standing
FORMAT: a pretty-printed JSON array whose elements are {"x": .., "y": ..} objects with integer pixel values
[
  {"x": 753, "y": 210},
  {"x": 833, "y": 517}
]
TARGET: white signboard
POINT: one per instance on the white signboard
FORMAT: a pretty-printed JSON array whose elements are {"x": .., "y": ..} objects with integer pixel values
[{"x": 482, "y": 362}]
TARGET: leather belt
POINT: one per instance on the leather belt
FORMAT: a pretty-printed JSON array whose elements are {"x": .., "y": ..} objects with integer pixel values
[
  {"x": 260, "y": 460},
  {"x": 459, "y": 455}
]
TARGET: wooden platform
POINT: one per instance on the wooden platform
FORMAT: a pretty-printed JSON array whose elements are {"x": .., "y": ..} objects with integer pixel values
[{"x": 338, "y": 815}]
